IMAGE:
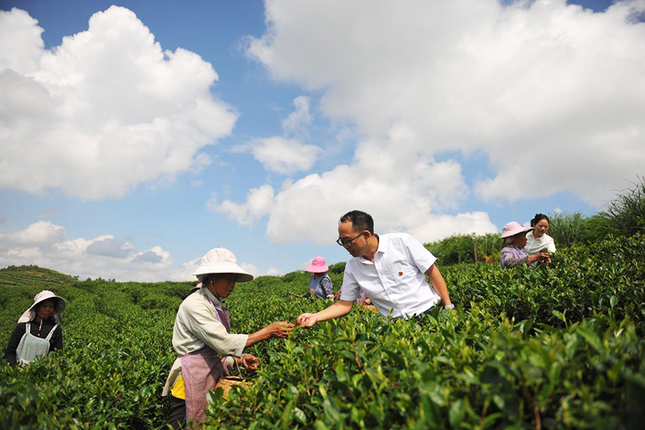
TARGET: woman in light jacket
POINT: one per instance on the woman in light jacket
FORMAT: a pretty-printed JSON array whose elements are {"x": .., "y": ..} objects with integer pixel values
[{"x": 205, "y": 348}]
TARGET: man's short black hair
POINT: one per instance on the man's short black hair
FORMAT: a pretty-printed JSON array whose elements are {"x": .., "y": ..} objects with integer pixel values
[{"x": 360, "y": 221}]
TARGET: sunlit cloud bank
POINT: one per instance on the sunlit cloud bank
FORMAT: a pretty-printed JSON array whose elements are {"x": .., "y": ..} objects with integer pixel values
[
  {"x": 552, "y": 93},
  {"x": 45, "y": 244},
  {"x": 106, "y": 110},
  {"x": 398, "y": 187}
]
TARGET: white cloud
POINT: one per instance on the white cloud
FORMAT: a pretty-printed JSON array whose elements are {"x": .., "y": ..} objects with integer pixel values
[
  {"x": 20, "y": 42},
  {"x": 202, "y": 161},
  {"x": 104, "y": 111},
  {"x": 45, "y": 244},
  {"x": 155, "y": 255},
  {"x": 24, "y": 253},
  {"x": 39, "y": 233},
  {"x": 110, "y": 247},
  {"x": 398, "y": 186},
  {"x": 281, "y": 155},
  {"x": 258, "y": 204},
  {"x": 436, "y": 227},
  {"x": 393, "y": 179},
  {"x": 556, "y": 103},
  {"x": 186, "y": 270},
  {"x": 253, "y": 270},
  {"x": 298, "y": 121},
  {"x": 273, "y": 272}
]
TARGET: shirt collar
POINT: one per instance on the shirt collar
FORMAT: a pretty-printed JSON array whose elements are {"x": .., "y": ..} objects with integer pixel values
[
  {"x": 216, "y": 301},
  {"x": 382, "y": 247},
  {"x": 382, "y": 244}
]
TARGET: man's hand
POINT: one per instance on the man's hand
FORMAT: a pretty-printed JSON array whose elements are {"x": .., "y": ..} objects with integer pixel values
[
  {"x": 306, "y": 320},
  {"x": 250, "y": 362}
]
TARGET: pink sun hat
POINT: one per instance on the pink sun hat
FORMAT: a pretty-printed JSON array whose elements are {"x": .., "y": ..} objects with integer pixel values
[
  {"x": 513, "y": 228},
  {"x": 318, "y": 265}
]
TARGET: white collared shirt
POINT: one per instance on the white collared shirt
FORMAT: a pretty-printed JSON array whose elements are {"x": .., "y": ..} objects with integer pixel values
[
  {"x": 396, "y": 280},
  {"x": 544, "y": 244}
]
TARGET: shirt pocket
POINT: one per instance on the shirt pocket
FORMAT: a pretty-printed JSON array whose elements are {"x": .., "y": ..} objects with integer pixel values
[{"x": 399, "y": 272}]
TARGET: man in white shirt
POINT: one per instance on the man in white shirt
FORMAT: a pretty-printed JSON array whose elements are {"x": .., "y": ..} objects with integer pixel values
[{"x": 391, "y": 269}]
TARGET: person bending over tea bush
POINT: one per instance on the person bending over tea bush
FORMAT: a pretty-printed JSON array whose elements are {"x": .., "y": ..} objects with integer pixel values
[
  {"x": 201, "y": 337},
  {"x": 391, "y": 269}
]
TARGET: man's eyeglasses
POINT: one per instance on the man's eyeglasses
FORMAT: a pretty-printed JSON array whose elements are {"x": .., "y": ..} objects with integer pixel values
[{"x": 346, "y": 243}]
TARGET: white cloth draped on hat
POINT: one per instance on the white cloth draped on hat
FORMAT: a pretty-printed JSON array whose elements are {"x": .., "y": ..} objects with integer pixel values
[{"x": 30, "y": 314}]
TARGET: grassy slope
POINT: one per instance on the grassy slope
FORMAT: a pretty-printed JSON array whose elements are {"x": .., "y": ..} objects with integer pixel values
[{"x": 33, "y": 276}]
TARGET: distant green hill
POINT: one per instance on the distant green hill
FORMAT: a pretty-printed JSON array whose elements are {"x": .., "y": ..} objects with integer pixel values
[{"x": 33, "y": 276}]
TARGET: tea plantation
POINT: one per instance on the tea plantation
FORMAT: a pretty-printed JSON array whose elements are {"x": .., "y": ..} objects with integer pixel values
[{"x": 551, "y": 347}]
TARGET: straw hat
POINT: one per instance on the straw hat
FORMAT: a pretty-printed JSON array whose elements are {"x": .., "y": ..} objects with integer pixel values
[
  {"x": 30, "y": 313},
  {"x": 318, "y": 265},
  {"x": 221, "y": 260},
  {"x": 513, "y": 228}
]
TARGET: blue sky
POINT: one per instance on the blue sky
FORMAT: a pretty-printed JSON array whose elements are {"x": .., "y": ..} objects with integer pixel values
[{"x": 134, "y": 142}]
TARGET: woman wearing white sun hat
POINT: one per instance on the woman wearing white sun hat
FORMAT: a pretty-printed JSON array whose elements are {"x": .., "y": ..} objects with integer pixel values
[
  {"x": 202, "y": 340},
  {"x": 513, "y": 253},
  {"x": 37, "y": 332}
]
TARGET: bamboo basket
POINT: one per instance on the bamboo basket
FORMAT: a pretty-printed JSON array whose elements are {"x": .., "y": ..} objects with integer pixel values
[{"x": 228, "y": 382}]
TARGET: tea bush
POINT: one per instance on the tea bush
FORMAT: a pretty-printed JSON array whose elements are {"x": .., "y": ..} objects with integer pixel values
[{"x": 545, "y": 347}]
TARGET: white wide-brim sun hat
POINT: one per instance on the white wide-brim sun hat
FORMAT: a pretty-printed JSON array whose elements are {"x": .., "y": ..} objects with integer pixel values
[
  {"x": 513, "y": 228},
  {"x": 220, "y": 261},
  {"x": 30, "y": 313}
]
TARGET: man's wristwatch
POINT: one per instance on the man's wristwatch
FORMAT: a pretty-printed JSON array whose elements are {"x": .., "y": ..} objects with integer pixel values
[{"x": 450, "y": 306}]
